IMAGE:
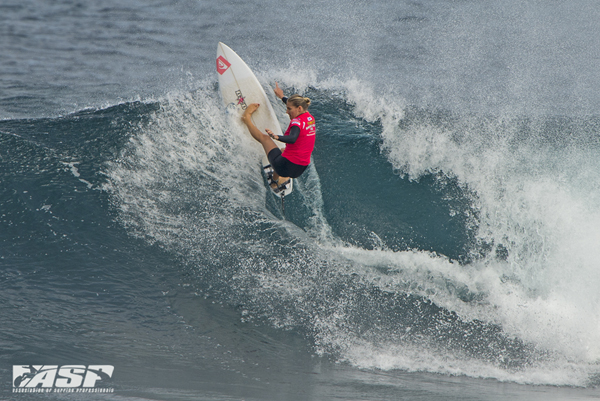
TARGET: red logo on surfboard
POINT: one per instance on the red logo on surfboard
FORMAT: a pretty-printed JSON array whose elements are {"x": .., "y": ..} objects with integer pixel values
[{"x": 222, "y": 65}]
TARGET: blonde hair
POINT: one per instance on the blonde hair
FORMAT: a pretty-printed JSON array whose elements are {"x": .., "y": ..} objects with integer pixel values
[{"x": 299, "y": 101}]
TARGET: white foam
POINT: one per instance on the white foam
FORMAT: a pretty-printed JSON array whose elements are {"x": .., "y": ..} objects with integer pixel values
[
  {"x": 544, "y": 292},
  {"x": 389, "y": 356},
  {"x": 75, "y": 171},
  {"x": 534, "y": 199}
]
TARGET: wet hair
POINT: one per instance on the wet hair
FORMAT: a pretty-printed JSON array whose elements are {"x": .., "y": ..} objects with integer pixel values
[{"x": 297, "y": 100}]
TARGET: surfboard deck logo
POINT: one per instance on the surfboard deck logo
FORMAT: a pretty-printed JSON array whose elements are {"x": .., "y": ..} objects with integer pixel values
[
  {"x": 222, "y": 65},
  {"x": 241, "y": 99}
]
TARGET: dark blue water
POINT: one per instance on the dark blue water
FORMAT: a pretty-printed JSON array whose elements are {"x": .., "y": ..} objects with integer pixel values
[{"x": 441, "y": 246}]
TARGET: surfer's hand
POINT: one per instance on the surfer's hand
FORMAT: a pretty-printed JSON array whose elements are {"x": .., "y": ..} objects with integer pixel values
[
  {"x": 271, "y": 134},
  {"x": 278, "y": 91}
]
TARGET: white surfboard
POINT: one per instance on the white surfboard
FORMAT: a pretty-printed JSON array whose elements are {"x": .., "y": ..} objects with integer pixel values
[{"x": 239, "y": 88}]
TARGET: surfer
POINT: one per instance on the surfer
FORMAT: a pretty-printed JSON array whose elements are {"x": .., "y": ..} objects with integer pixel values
[{"x": 299, "y": 138}]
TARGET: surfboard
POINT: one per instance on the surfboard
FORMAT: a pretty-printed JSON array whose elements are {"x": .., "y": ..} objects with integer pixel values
[{"x": 239, "y": 88}]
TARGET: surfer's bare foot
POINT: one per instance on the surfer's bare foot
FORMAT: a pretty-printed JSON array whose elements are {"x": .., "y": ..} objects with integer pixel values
[
  {"x": 246, "y": 117},
  {"x": 264, "y": 139}
]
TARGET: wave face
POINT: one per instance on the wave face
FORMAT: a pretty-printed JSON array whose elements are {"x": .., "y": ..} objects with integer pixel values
[
  {"x": 417, "y": 241},
  {"x": 448, "y": 223}
]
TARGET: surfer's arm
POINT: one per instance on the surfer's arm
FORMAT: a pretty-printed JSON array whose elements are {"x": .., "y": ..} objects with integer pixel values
[
  {"x": 292, "y": 137},
  {"x": 279, "y": 93}
]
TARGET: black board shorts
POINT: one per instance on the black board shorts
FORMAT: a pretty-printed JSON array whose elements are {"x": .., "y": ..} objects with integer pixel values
[{"x": 283, "y": 166}]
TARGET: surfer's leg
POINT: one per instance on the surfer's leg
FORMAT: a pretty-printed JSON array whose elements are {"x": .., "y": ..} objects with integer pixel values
[
  {"x": 278, "y": 163},
  {"x": 264, "y": 139},
  {"x": 279, "y": 181}
]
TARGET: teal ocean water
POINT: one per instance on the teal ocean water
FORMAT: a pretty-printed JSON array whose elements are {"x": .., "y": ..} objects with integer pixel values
[{"x": 442, "y": 245}]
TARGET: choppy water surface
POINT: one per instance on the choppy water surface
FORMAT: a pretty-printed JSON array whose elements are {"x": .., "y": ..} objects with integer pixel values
[{"x": 442, "y": 245}]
